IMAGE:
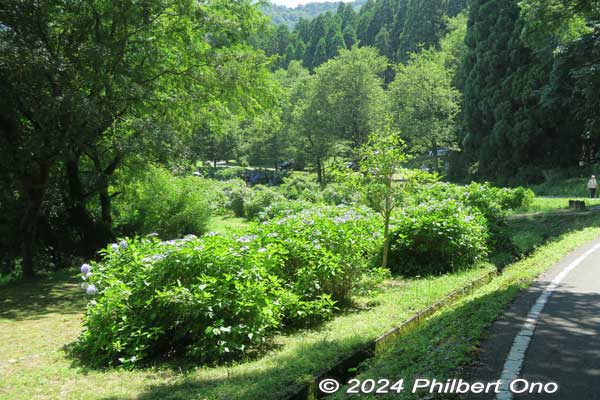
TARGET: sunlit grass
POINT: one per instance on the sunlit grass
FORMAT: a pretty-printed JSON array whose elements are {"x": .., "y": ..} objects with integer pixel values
[
  {"x": 553, "y": 204},
  {"x": 225, "y": 224},
  {"x": 34, "y": 364}
]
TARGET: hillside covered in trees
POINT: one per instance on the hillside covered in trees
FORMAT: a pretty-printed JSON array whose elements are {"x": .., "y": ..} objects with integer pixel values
[
  {"x": 282, "y": 15},
  {"x": 525, "y": 73}
]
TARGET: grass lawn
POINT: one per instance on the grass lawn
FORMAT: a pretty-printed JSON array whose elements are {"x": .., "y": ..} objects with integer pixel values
[
  {"x": 444, "y": 346},
  {"x": 224, "y": 224},
  {"x": 551, "y": 204},
  {"x": 37, "y": 321}
]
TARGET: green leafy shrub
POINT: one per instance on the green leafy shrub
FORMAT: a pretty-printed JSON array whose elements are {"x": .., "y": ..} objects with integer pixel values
[
  {"x": 228, "y": 173},
  {"x": 328, "y": 250},
  {"x": 437, "y": 237},
  {"x": 235, "y": 192},
  {"x": 258, "y": 198},
  {"x": 300, "y": 187},
  {"x": 159, "y": 202},
  {"x": 340, "y": 193},
  {"x": 515, "y": 198},
  {"x": 215, "y": 297},
  {"x": 207, "y": 298},
  {"x": 491, "y": 201},
  {"x": 283, "y": 208}
]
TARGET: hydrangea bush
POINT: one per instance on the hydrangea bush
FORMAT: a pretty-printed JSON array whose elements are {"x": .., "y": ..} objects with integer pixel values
[
  {"x": 328, "y": 250},
  {"x": 437, "y": 237},
  {"x": 217, "y": 296}
]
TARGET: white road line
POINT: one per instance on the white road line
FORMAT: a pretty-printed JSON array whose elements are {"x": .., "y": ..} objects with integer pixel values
[{"x": 516, "y": 356}]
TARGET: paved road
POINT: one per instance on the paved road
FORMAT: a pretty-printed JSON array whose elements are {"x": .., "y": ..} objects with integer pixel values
[{"x": 564, "y": 344}]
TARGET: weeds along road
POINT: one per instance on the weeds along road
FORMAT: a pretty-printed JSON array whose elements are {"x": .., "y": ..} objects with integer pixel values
[{"x": 551, "y": 333}]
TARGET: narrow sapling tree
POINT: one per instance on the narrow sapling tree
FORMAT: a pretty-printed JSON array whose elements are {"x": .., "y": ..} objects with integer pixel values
[{"x": 381, "y": 158}]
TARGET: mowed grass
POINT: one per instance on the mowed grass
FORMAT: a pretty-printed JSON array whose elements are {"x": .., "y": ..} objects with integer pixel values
[
  {"x": 554, "y": 204},
  {"x": 225, "y": 224},
  {"x": 444, "y": 346},
  {"x": 39, "y": 320}
]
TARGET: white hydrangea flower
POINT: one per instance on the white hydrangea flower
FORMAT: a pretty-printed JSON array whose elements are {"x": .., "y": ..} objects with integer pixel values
[{"x": 123, "y": 244}]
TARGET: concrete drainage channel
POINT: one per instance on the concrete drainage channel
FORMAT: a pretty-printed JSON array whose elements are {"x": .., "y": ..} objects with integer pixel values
[{"x": 348, "y": 367}]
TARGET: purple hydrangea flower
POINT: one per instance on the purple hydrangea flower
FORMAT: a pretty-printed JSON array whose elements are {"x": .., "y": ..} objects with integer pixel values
[
  {"x": 91, "y": 290},
  {"x": 246, "y": 239},
  {"x": 85, "y": 268},
  {"x": 114, "y": 246},
  {"x": 123, "y": 244}
]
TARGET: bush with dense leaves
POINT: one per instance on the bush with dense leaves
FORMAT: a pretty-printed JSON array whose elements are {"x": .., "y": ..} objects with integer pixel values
[
  {"x": 283, "y": 208},
  {"x": 219, "y": 296},
  {"x": 491, "y": 201},
  {"x": 235, "y": 192},
  {"x": 300, "y": 186},
  {"x": 437, "y": 237},
  {"x": 207, "y": 298},
  {"x": 340, "y": 193},
  {"x": 328, "y": 250},
  {"x": 258, "y": 198},
  {"x": 157, "y": 201},
  {"x": 227, "y": 173},
  {"x": 512, "y": 199}
]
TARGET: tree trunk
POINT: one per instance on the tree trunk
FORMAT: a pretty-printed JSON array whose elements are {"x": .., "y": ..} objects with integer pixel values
[
  {"x": 34, "y": 189},
  {"x": 386, "y": 229},
  {"x": 436, "y": 162},
  {"x": 319, "y": 172},
  {"x": 105, "y": 202},
  {"x": 386, "y": 244},
  {"x": 93, "y": 235}
]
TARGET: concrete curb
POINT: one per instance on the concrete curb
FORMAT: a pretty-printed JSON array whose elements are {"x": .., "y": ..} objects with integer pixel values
[{"x": 347, "y": 367}]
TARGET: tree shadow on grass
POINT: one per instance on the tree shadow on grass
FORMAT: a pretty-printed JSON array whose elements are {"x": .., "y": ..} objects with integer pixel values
[{"x": 59, "y": 293}]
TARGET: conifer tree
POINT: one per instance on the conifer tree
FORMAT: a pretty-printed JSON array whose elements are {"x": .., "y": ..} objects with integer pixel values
[
  {"x": 505, "y": 133},
  {"x": 320, "y": 55},
  {"x": 335, "y": 45},
  {"x": 350, "y": 38},
  {"x": 382, "y": 42},
  {"x": 424, "y": 26}
]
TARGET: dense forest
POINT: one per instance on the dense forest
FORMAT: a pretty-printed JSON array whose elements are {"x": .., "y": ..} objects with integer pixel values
[
  {"x": 526, "y": 76},
  {"x": 282, "y": 15},
  {"x": 395, "y": 27},
  {"x": 93, "y": 93}
]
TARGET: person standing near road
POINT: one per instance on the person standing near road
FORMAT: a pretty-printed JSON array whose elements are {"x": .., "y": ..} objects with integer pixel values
[{"x": 592, "y": 186}]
